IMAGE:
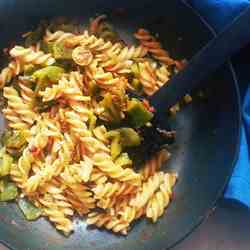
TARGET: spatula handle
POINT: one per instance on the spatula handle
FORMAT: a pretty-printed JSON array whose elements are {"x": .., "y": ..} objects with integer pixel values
[{"x": 235, "y": 36}]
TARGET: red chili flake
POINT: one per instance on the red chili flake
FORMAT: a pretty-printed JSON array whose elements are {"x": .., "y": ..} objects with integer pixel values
[
  {"x": 49, "y": 144},
  {"x": 53, "y": 111},
  {"x": 152, "y": 109},
  {"x": 147, "y": 106},
  {"x": 83, "y": 150},
  {"x": 76, "y": 153},
  {"x": 115, "y": 98},
  {"x": 68, "y": 44},
  {"x": 181, "y": 64},
  {"x": 62, "y": 102},
  {"x": 64, "y": 126},
  {"x": 35, "y": 151}
]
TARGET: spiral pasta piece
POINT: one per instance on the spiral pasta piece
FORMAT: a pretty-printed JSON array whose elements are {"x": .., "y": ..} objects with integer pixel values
[
  {"x": 130, "y": 213},
  {"x": 121, "y": 203},
  {"x": 81, "y": 191},
  {"x": 39, "y": 179},
  {"x": 103, "y": 79},
  {"x": 53, "y": 129},
  {"x": 161, "y": 199},
  {"x": 98, "y": 177},
  {"x": 113, "y": 190},
  {"x": 50, "y": 169},
  {"x": 76, "y": 203},
  {"x": 106, "y": 79},
  {"x": 28, "y": 56},
  {"x": 58, "y": 36},
  {"x": 73, "y": 90},
  {"x": 7, "y": 74},
  {"x": 121, "y": 63},
  {"x": 14, "y": 121},
  {"x": 39, "y": 141},
  {"x": 64, "y": 205},
  {"x": 100, "y": 133},
  {"x": 132, "y": 52},
  {"x": 86, "y": 169},
  {"x": 21, "y": 108},
  {"x": 76, "y": 80},
  {"x": 147, "y": 78},
  {"x": 55, "y": 215},
  {"x": 82, "y": 109},
  {"x": 162, "y": 75},
  {"x": 154, "y": 164},
  {"x": 25, "y": 162},
  {"x": 116, "y": 65},
  {"x": 81, "y": 172},
  {"x": 106, "y": 203},
  {"x": 53, "y": 187},
  {"x": 153, "y": 46},
  {"x": 81, "y": 130},
  {"x": 77, "y": 40},
  {"x": 66, "y": 88},
  {"x": 17, "y": 176},
  {"x": 52, "y": 93},
  {"x": 104, "y": 162},
  {"x": 27, "y": 93},
  {"x": 148, "y": 190},
  {"x": 107, "y": 221},
  {"x": 56, "y": 189},
  {"x": 112, "y": 51},
  {"x": 95, "y": 44}
]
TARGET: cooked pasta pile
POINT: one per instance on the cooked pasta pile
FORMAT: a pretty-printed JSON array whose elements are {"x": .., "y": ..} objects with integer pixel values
[{"x": 70, "y": 122}]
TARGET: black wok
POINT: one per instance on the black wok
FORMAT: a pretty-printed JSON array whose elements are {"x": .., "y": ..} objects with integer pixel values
[{"x": 207, "y": 131}]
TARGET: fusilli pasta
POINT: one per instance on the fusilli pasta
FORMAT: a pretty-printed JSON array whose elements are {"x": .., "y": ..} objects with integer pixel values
[
  {"x": 72, "y": 124},
  {"x": 7, "y": 74},
  {"x": 29, "y": 56},
  {"x": 160, "y": 200},
  {"x": 153, "y": 46}
]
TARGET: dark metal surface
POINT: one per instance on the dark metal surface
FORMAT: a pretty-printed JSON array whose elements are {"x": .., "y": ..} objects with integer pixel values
[
  {"x": 227, "y": 228},
  {"x": 207, "y": 131}
]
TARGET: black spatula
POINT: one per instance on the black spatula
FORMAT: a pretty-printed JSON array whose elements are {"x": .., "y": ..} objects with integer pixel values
[{"x": 235, "y": 36}]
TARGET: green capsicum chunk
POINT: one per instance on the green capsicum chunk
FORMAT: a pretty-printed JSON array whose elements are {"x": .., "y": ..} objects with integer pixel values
[
  {"x": 123, "y": 160},
  {"x": 129, "y": 137},
  {"x": 137, "y": 113},
  {"x": 116, "y": 147},
  {"x": 135, "y": 70},
  {"x": 51, "y": 73},
  {"x": 14, "y": 140},
  {"x": 47, "y": 75},
  {"x": 61, "y": 52},
  {"x": 9, "y": 191},
  {"x": 29, "y": 69},
  {"x": 5, "y": 164},
  {"x": 136, "y": 84},
  {"x": 29, "y": 210}
]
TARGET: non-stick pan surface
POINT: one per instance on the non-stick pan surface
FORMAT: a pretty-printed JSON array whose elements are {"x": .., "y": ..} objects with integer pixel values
[{"x": 207, "y": 131}]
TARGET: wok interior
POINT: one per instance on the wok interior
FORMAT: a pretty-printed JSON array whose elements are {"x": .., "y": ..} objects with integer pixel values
[{"x": 207, "y": 131}]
